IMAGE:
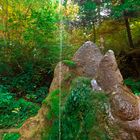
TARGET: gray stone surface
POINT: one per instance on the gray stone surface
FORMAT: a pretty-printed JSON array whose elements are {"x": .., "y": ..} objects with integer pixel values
[
  {"x": 87, "y": 59},
  {"x": 109, "y": 76},
  {"x": 124, "y": 111}
]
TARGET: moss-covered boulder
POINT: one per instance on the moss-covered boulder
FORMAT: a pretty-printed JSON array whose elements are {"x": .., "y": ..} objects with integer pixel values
[
  {"x": 80, "y": 116},
  {"x": 74, "y": 111}
]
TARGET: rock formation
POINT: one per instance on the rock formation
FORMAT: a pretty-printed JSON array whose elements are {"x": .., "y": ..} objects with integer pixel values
[
  {"x": 87, "y": 59},
  {"x": 124, "y": 105},
  {"x": 59, "y": 73}
]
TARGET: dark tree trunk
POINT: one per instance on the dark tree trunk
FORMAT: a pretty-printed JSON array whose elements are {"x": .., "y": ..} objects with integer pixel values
[
  {"x": 129, "y": 35},
  {"x": 127, "y": 25},
  {"x": 94, "y": 33}
]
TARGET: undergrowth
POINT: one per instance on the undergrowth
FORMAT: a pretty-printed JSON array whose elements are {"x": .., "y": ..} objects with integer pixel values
[
  {"x": 23, "y": 87},
  {"x": 134, "y": 85},
  {"x": 31, "y": 83},
  {"x": 11, "y": 136},
  {"x": 82, "y": 115},
  {"x": 14, "y": 112}
]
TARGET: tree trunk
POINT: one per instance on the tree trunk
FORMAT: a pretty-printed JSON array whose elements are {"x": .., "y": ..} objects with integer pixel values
[
  {"x": 6, "y": 23},
  {"x": 129, "y": 35},
  {"x": 94, "y": 33}
]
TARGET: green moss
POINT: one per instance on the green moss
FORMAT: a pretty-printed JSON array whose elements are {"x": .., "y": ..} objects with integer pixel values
[
  {"x": 80, "y": 114},
  {"x": 69, "y": 76},
  {"x": 69, "y": 63},
  {"x": 52, "y": 101},
  {"x": 80, "y": 82},
  {"x": 11, "y": 136},
  {"x": 81, "y": 111},
  {"x": 51, "y": 96}
]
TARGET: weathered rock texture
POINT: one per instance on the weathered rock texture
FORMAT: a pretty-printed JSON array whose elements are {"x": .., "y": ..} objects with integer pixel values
[
  {"x": 87, "y": 59},
  {"x": 109, "y": 76},
  {"x": 33, "y": 127},
  {"x": 60, "y": 71},
  {"x": 124, "y": 105}
]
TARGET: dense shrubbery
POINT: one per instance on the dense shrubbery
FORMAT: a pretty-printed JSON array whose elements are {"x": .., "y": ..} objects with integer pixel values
[
  {"x": 31, "y": 84},
  {"x": 14, "y": 112},
  {"x": 134, "y": 85},
  {"x": 80, "y": 114},
  {"x": 29, "y": 51}
]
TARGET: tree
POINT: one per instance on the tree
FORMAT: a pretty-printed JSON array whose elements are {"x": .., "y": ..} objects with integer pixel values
[{"x": 126, "y": 9}]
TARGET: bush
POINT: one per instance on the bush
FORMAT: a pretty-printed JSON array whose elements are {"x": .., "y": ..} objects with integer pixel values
[
  {"x": 32, "y": 83},
  {"x": 134, "y": 85},
  {"x": 81, "y": 114},
  {"x": 11, "y": 136},
  {"x": 14, "y": 112}
]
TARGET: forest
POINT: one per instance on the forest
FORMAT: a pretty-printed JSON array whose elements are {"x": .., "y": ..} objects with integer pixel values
[{"x": 42, "y": 100}]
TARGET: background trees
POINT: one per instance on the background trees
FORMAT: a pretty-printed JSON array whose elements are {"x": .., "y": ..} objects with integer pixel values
[
  {"x": 29, "y": 50},
  {"x": 95, "y": 14}
]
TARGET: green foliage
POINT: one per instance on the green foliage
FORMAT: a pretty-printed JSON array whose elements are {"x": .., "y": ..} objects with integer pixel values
[
  {"x": 14, "y": 112},
  {"x": 11, "y": 136},
  {"x": 30, "y": 48},
  {"x": 88, "y": 12},
  {"x": 130, "y": 6},
  {"x": 32, "y": 83},
  {"x": 29, "y": 51},
  {"x": 134, "y": 85},
  {"x": 69, "y": 63},
  {"x": 52, "y": 101},
  {"x": 30, "y": 36},
  {"x": 80, "y": 114},
  {"x": 70, "y": 49},
  {"x": 37, "y": 96},
  {"x": 89, "y": 6}
]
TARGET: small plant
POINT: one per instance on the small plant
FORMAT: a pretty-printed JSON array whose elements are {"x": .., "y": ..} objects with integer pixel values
[
  {"x": 69, "y": 63},
  {"x": 11, "y": 136},
  {"x": 134, "y": 85},
  {"x": 81, "y": 111}
]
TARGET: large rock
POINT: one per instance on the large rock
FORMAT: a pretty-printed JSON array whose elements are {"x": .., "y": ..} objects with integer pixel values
[
  {"x": 109, "y": 76},
  {"x": 124, "y": 104},
  {"x": 124, "y": 112},
  {"x": 59, "y": 73},
  {"x": 87, "y": 59}
]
